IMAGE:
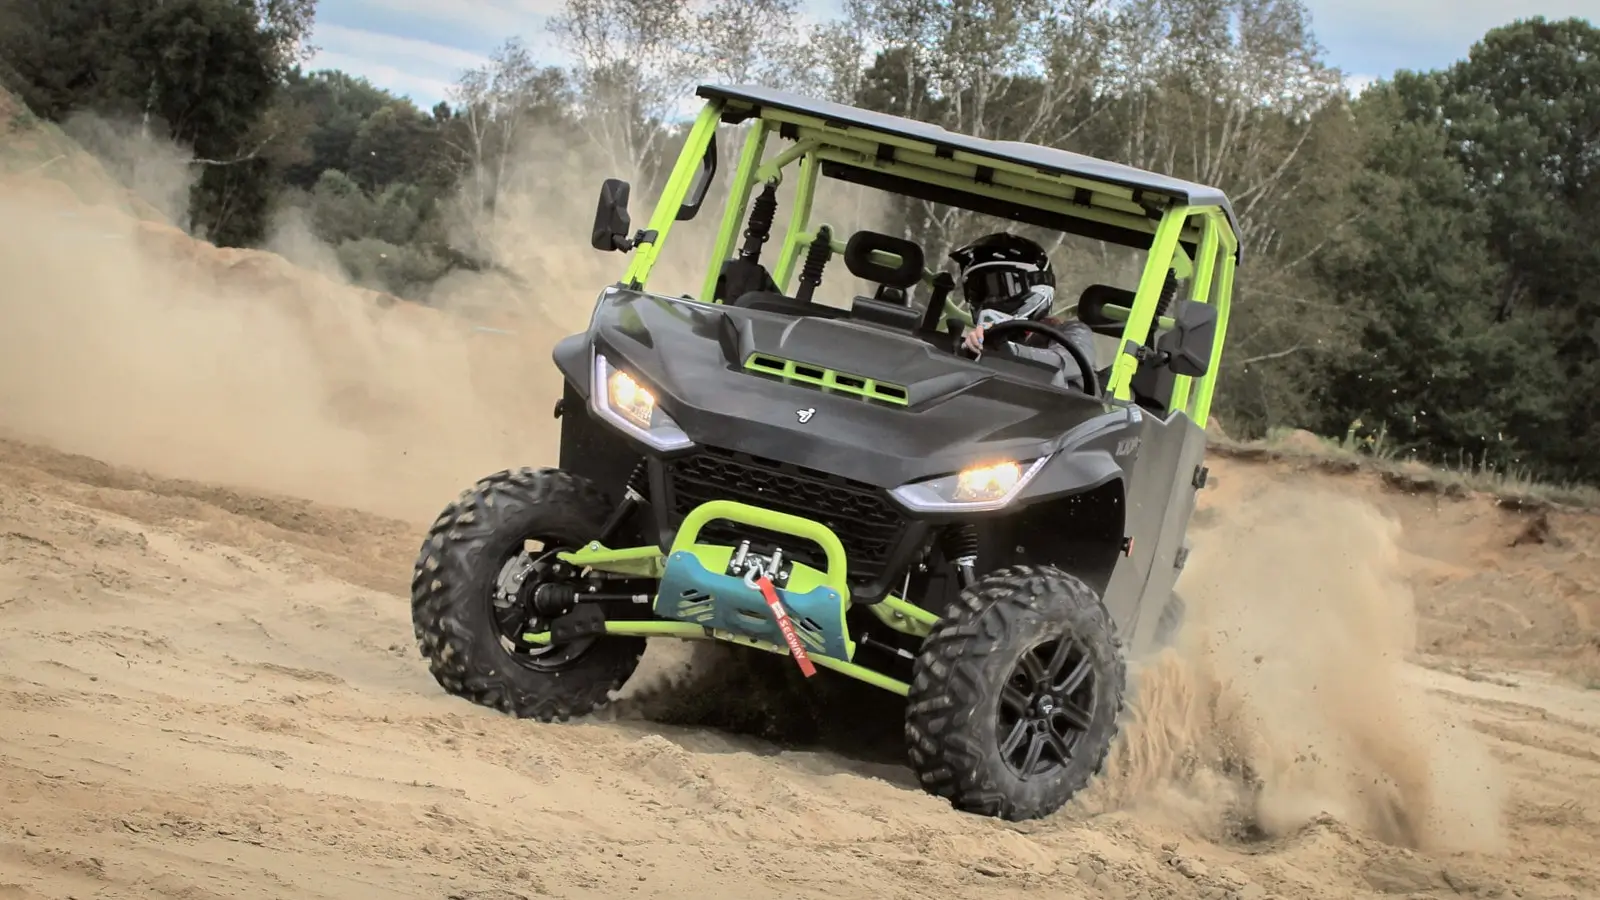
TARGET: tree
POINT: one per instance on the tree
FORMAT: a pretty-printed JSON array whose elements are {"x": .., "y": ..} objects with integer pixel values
[
  {"x": 1024, "y": 70},
  {"x": 1432, "y": 367},
  {"x": 632, "y": 71},
  {"x": 201, "y": 73},
  {"x": 336, "y": 104},
  {"x": 748, "y": 41},
  {"x": 395, "y": 145},
  {"x": 1520, "y": 117},
  {"x": 497, "y": 107}
]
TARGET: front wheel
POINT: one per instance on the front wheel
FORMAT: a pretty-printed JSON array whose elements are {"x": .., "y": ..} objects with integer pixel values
[
  {"x": 1015, "y": 695},
  {"x": 470, "y": 576}
]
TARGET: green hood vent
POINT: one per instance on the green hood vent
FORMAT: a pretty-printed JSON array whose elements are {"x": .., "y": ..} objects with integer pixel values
[{"x": 827, "y": 379}]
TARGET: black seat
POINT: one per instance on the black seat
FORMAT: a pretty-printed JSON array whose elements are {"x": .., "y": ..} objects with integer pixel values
[
  {"x": 890, "y": 304},
  {"x": 742, "y": 276},
  {"x": 896, "y": 315}
]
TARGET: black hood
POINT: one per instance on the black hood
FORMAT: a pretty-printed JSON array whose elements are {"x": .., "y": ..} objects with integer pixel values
[{"x": 692, "y": 357}]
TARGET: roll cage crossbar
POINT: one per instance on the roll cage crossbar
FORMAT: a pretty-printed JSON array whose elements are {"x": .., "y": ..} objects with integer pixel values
[{"x": 1187, "y": 231}]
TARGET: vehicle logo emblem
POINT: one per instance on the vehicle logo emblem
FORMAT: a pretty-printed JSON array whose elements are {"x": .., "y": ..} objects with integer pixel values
[{"x": 804, "y": 415}]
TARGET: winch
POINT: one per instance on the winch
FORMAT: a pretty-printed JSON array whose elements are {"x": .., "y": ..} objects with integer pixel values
[{"x": 728, "y": 589}]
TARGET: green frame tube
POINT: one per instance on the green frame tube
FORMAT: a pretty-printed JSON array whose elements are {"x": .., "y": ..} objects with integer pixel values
[
  {"x": 1025, "y": 194},
  {"x": 805, "y": 191},
  {"x": 1200, "y": 410},
  {"x": 672, "y": 197},
  {"x": 1204, "y": 275},
  {"x": 733, "y": 213},
  {"x": 690, "y": 632},
  {"x": 771, "y": 520},
  {"x": 1156, "y": 266},
  {"x": 772, "y": 169}
]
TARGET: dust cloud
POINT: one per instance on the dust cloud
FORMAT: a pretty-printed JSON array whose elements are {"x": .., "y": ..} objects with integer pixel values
[
  {"x": 1287, "y": 696},
  {"x": 127, "y": 340}
]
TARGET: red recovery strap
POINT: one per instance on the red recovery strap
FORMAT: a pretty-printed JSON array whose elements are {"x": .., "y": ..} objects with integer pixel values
[{"x": 796, "y": 649}]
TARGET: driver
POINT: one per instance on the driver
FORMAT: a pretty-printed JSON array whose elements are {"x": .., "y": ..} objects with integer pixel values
[{"x": 1006, "y": 277}]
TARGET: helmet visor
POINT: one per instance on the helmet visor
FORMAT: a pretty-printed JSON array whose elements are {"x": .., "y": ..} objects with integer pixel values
[{"x": 1003, "y": 289}]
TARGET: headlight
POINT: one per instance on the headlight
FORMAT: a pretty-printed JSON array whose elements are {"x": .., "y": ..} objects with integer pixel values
[
  {"x": 623, "y": 400},
  {"x": 985, "y": 484},
  {"x": 630, "y": 398},
  {"x": 974, "y": 489}
]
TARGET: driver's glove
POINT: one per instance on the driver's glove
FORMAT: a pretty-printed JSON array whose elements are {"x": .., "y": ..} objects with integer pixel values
[{"x": 974, "y": 340}]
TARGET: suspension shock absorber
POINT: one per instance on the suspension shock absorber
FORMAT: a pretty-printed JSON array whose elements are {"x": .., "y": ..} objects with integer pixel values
[
  {"x": 960, "y": 547},
  {"x": 1163, "y": 303},
  {"x": 762, "y": 214},
  {"x": 632, "y": 495},
  {"x": 817, "y": 257}
]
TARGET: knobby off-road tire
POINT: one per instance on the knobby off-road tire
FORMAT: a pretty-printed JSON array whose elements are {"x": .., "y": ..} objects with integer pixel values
[
  {"x": 455, "y": 579},
  {"x": 953, "y": 711}
]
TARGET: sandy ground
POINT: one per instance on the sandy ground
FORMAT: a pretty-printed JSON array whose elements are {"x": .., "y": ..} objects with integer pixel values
[
  {"x": 209, "y": 688},
  {"x": 207, "y": 693}
]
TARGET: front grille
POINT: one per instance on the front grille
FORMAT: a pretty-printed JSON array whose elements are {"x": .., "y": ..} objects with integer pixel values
[{"x": 861, "y": 515}]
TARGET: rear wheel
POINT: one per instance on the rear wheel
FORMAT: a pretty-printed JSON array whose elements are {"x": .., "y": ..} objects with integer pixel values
[
  {"x": 1015, "y": 695},
  {"x": 470, "y": 588}
]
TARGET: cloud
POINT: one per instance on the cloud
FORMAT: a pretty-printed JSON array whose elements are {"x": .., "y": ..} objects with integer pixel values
[
  {"x": 1357, "y": 84},
  {"x": 423, "y": 91},
  {"x": 394, "y": 48},
  {"x": 420, "y": 48},
  {"x": 488, "y": 22},
  {"x": 1385, "y": 35},
  {"x": 422, "y": 70}
]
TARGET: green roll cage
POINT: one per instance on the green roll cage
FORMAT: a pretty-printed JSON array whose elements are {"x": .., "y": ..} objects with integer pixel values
[{"x": 816, "y": 141}]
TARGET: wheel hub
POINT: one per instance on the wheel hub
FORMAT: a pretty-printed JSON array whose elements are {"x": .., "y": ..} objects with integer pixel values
[
  {"x": 1046, "y": 707},
  {"x": 515, "y": 611}
]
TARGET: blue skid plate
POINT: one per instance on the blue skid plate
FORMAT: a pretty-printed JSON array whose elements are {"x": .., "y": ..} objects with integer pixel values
[{"x": 689, "y": 592}]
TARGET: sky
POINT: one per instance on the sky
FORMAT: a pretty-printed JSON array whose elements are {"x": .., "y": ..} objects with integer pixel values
[{"x": 419, "y": 47}]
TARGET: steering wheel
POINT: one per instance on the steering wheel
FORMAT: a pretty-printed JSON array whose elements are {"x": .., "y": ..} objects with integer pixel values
[{"x": 1091, "y": 378}]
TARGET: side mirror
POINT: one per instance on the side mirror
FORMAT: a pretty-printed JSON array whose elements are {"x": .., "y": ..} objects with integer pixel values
[
  {"x": 1193, "y": 336},
  {"x": 611, "y": 219}
]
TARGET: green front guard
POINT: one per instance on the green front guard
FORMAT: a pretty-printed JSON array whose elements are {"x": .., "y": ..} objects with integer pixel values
[{"x": 697, "y": 599}]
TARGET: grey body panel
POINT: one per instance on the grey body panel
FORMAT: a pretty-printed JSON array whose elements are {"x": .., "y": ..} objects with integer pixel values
[
  {"x": 1160, "y": 503},
  {"x": 960, "y": 411},
  {"x": 1128, "y": 471}
]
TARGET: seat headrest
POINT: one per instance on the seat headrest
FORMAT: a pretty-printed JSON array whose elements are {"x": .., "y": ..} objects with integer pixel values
[
  {"x": 858, "y": 253},
  {"x": 1094, "y": 300}
]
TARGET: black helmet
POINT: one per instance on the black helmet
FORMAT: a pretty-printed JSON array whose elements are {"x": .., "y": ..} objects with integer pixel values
[{"x": 1004, "y": 276}]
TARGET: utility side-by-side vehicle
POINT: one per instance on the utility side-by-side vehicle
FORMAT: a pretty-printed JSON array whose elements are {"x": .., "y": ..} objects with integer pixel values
[{"x": 837, "y": 483}]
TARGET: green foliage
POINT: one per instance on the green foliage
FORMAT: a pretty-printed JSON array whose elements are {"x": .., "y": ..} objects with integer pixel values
[
  {"x": 201, "y": 72},
  {"x": 1474, "y": 262},
  {"x": 336, "y": 105},
  {"x": 381, "y": 265},
  {"x": 340, "y": 210}
]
